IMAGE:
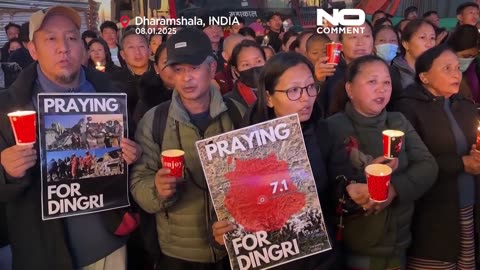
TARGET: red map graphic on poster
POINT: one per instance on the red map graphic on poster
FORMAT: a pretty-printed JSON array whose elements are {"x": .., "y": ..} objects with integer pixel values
[{"x": 262, "y": 196}]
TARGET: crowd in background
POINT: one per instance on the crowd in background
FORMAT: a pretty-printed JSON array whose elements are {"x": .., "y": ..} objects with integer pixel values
[{"x": 413, "y": 76}]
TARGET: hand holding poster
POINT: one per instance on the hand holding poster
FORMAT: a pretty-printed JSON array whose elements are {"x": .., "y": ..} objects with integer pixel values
[
  {"x": 260, "y": 178},
  {"x": 81, "y": 160}
]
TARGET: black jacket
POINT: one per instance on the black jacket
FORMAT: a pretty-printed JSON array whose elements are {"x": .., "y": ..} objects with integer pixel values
[
  {"x": 332, "y": 96},
  {"x": 435, "y": 227},
  {"x": 3, "y": 226},
  {"x": 11, "y": 72},
  {"x": 109, "y": 69},
  {"x": 4, "y": 53},
  {"x": 150, "y": 93},
  {"x": 21, "y": 56},
  {"x": 274, "y": 40},
  {"x": 130, "y": 84},
  {"x": 328, "y": 159},
  {"x": 36, "y": 244}
]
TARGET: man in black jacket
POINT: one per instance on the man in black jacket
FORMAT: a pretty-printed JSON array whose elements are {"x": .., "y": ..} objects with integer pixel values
[
  {"x": 22, "y": 56},
  {"x": 11, "y": 30},
  {"x": 109, "y": 32},
  {"x": 80, "y": 242},
  {"x": 137, "y": 68},
  {"x": 274, "y": 22}
]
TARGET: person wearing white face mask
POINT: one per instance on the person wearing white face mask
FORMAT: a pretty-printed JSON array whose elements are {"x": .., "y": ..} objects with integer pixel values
[
  {"x": 386, "y": 42},
  {"x": 464, "y": 42}
]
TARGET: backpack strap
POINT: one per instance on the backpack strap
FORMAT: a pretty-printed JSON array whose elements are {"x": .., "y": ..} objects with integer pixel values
[
  {"x": 160, "y": 122},
  {"x": 148, "y": 224},
  {"x": 233, "y": 112},
  {"x": 161, "y": 115}
]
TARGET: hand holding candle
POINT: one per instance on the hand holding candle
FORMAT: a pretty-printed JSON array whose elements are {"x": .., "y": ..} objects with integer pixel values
[
  {"x": 24, "y": 126},
  {"x": 334, "y": 51},
  {"x": 265, "y": 41},
  {"x": 174, "y": 159},
  {"x": 392, "y": 143},
  {"x": 17, "y": 159},
  {"x": 99, "y": 67},
  {"x": 378, "y": 180}
]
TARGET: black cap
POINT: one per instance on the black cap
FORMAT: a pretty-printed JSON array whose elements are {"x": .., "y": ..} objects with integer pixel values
[{"x": 188, "y": 46}]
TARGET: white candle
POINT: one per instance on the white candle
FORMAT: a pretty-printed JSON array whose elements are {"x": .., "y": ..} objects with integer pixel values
[{"x": 99, "y": 67}]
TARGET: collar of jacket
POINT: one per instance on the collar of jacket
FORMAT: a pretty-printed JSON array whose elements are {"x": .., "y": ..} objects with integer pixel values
[
  {"x": 419, "y": 92},
  {"x": 48, "y": 86},
  {"x": 150, "y": 69},
  {"x": 22, "y": 89},
  {"x": 179, "y": 113},
  {"x": 364, "y": 121},
  {"x": 402, "y": 65}
]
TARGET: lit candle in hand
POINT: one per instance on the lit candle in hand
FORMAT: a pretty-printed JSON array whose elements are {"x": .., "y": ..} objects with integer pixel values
[
  {"x": 99, "y": 67},
  {"x": 265, "y": 41}
]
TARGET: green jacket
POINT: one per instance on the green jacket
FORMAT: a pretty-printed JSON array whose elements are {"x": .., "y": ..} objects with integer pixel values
[
  {"x": 388, "y": 232},
  {"x": 183, "y": 221}
]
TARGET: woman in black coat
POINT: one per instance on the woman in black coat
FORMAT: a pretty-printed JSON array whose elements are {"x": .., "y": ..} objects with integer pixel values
[
  {"x": 287, "y": 86},
  {"x": 444, "y": 224},
  {"x": 100, "y": 57}
]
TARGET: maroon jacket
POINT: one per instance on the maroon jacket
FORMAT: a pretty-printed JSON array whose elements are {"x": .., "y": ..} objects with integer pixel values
[{"x": 225, "y": 80}]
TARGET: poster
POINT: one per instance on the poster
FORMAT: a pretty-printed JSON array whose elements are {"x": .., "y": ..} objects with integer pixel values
[
  {"x": 81, "y": 160},
  {"x": 260, "y": 178}
]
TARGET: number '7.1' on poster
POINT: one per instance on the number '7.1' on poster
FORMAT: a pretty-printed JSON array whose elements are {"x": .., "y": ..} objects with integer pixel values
[{"x": 259, "y": 178}]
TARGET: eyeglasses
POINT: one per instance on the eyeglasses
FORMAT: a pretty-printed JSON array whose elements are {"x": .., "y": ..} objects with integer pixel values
[{"x": 295, "y": 93}]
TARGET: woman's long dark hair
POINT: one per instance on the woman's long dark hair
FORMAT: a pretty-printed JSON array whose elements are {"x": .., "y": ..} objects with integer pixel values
[
  {"x": 271, "y": 73},
  {"x": 108, "y": 56}
]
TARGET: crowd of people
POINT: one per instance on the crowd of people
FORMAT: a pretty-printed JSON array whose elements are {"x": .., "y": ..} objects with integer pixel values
[
  {"x": 415, "y": 77},
  {"x": 84, "y": 135},
  {"x": 72, "y": 167}
]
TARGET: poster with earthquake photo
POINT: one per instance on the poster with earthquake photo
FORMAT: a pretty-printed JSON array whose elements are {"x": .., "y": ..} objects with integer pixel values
[
  {"x": 260, "y": 179},
  {"x": 81, "y": 160}
]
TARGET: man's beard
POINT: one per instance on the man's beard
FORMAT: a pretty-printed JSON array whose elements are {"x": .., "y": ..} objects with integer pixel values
[{"x": 66, "y": 78}]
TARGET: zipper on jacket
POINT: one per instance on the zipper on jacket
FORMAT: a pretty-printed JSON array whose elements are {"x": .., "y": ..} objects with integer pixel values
[
  {"x": 166, "y": 210},
  {"x": 207, "y": 210}
]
